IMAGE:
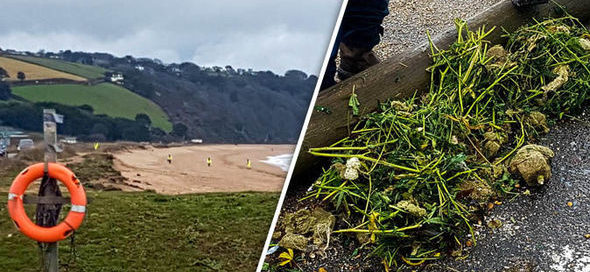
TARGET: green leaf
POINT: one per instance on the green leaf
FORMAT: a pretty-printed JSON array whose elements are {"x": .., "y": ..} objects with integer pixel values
[{"x": 354, "y": 103}]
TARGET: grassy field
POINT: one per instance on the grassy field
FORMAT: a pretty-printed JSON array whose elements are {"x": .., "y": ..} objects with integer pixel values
[
  {"x": 33, "y": 71},
  {"x": 144, "y": 231},
  {"x": 150, "y": 232},
  {"x": 86, "y": 71},
  {"x": 105, "y": 98}
]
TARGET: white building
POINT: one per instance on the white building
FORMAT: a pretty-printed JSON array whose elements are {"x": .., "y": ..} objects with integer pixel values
[
  {"x": 117, "y": 78},
  {"x": 69, "y": 140}
]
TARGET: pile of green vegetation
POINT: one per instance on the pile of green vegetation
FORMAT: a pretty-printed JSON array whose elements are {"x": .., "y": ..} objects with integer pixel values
[{"x": 411, "y": 178}]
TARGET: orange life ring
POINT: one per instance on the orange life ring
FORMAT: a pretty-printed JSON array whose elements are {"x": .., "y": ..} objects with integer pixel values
[{"x": 17, "y": 211}]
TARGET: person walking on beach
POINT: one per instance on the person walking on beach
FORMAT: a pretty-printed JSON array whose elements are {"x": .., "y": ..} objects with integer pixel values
[
  {"x": 209, "y": 162},
  {"x": 359, "y": 32},
  {"x": 169, "y": 159},
  {"x": 248, "y": 164}
]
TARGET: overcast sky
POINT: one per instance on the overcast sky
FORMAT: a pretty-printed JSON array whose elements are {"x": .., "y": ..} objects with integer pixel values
[{"x": 275, "y": 35}]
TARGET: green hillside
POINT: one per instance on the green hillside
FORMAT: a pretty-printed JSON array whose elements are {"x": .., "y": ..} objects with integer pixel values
[
  {"x": 86, "y": 71},
  {"x": 105, "y": 98}
]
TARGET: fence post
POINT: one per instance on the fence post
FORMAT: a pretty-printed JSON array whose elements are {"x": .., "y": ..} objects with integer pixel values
[{"x": 47, "y": 215}]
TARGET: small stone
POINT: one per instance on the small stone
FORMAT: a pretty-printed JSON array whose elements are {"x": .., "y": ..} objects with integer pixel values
[{"x": 495, "y": 224}]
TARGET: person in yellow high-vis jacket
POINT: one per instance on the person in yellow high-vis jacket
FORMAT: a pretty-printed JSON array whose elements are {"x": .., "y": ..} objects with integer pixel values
[
  {"x": 248, "y": 164},
  {"x": 169, "y": 158},
  {"x": 209, "y": 162}
]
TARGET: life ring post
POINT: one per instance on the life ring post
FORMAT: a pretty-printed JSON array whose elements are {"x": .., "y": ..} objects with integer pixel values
[
  {"x": 47, "y": 215},
  {"x": 46, "y": 229}
]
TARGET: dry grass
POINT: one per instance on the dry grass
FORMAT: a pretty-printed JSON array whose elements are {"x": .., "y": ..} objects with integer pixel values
[{"x": 32, "y": 71}]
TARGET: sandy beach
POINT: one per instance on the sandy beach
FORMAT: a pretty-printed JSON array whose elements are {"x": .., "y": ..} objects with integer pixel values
[{"x": 189, "y": 173}]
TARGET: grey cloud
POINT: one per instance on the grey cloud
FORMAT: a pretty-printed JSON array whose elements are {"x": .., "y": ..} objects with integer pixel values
[{"x": 261, "y": 34}]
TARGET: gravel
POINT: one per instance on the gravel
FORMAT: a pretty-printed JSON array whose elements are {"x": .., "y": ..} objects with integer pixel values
[
  {"x": 541, "y": 232},
  {"x": 408, "y": 21}
]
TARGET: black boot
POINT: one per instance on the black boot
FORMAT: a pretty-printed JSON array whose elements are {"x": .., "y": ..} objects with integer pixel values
[{"x": 354, "y": 60}]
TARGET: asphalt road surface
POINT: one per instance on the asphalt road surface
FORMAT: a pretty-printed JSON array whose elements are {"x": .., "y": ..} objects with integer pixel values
[{"x": 541, "y": 232}]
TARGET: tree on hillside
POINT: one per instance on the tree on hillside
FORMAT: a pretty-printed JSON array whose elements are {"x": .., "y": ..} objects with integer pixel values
[
  {"x": 136, "y": 133},
  {"x": 179, "y": 130},
  {"x": 143, "y": 119},
  {"x": 87, "y": 108},
  {"x": 3, "y": 73},
  {"x": 5, "y": 92},
  {"x": 296, "y": 74},
  {"x": 100, "y": 129},
  {"x": 21, "y": 75}
]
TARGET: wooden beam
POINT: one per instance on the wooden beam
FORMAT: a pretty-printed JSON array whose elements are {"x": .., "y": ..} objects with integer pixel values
[{"x": 404, "y": 74}]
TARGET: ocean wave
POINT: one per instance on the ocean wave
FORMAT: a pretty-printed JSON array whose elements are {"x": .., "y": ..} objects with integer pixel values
[{"x": 282, "y": 161}]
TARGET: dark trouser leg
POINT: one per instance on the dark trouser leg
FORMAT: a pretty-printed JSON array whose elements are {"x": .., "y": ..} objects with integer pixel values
[
  {"x": 359, "y": 31},
  {"x": 361, "y": 24},
  {"x": 362, "y": 30}
]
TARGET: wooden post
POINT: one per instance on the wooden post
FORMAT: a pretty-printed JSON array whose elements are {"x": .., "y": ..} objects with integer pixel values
[
  {"x": 402, "y": 75},
  {"x": 47, "y": 215}
]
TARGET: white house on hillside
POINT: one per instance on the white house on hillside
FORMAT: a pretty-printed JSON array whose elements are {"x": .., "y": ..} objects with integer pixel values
[{"x": 117, "y": 78}]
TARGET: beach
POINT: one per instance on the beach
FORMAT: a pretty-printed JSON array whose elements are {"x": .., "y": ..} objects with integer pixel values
[{"x": 148, "y": 169}]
